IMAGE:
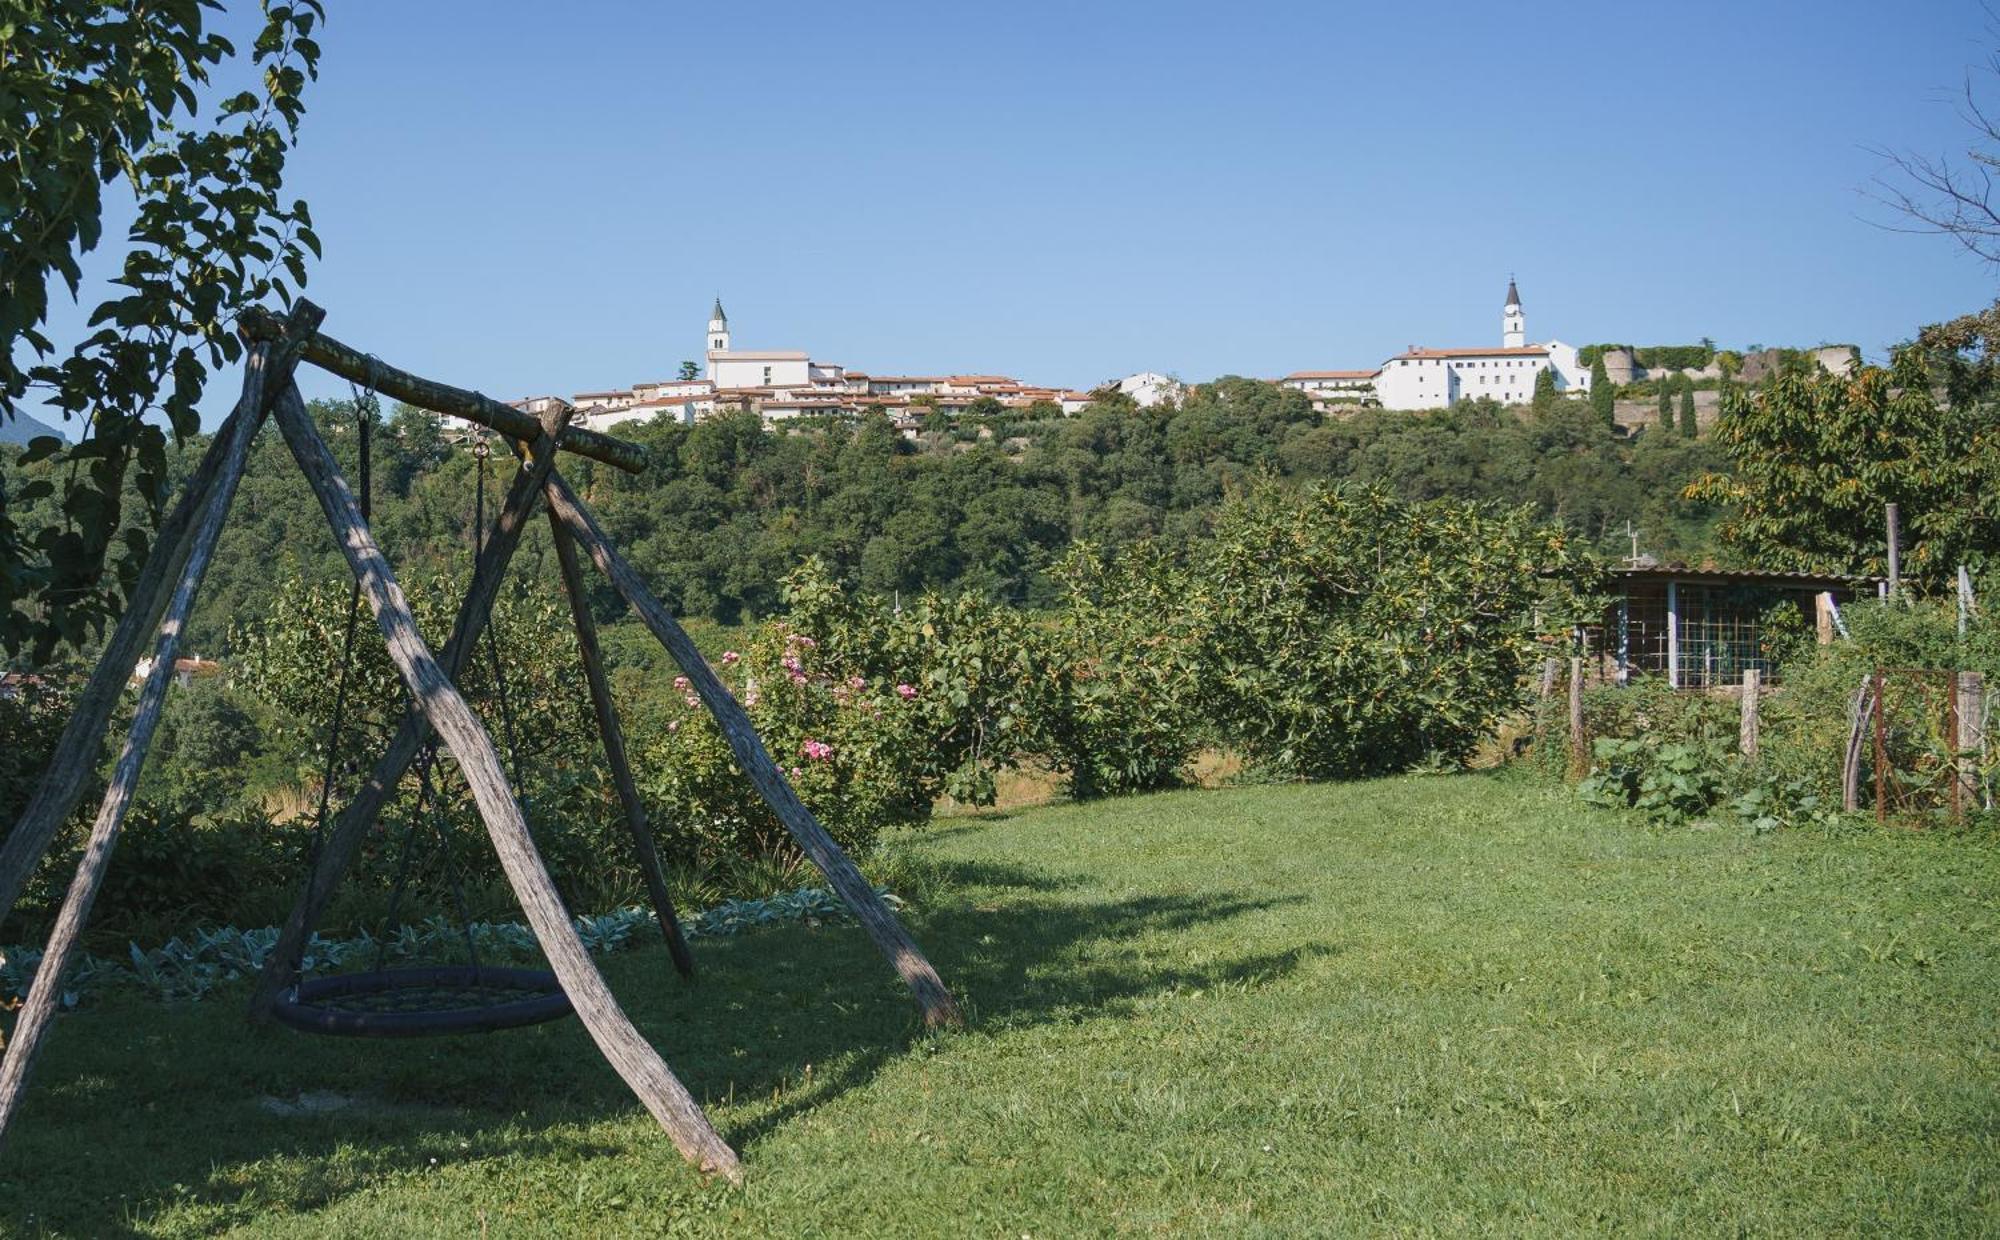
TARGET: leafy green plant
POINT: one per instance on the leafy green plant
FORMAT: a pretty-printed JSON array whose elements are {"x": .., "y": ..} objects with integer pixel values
[
  {"x": 99, "y": 94},
  {"x": 1347, "y": 632}
]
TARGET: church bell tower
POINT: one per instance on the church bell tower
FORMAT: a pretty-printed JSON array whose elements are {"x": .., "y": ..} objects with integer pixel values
[
  {"x": 718, "y": 329},
  {"x": 1513, "y": 323}
]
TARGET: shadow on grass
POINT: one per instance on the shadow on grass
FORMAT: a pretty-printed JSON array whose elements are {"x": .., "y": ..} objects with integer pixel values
[{"x": 139, "y": 1106}]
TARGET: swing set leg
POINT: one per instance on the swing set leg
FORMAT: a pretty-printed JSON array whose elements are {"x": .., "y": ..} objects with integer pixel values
[
  {"x": 267, "y": 366},
  {"x": 890, "y": 937},
  {"x": 434, "y": 695},
  {"x": 336, "y": 851},
  {"x": 614, "y": 747},
  {"x": 75, "y": 755}
]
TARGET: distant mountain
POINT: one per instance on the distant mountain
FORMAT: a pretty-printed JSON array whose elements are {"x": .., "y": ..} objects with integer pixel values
[{"x": 21, "y": 428}]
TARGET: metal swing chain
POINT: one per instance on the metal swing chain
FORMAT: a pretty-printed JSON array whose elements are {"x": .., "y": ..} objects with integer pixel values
[
  {"x": 364, "y": 411},
  {"x": 427, "y": 795},
  {"x": 427, "y": 790}
]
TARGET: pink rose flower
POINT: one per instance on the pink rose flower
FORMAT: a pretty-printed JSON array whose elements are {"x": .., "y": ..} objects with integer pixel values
[
  {"x": 681, "y": 683},
  {"x": 906, "y": 691},
  {"x": 694, "y": 699},
  {"x": 730, "y": 656},
  {"x": 856, "y": 682},
  {"x": 817, "y": 751}
]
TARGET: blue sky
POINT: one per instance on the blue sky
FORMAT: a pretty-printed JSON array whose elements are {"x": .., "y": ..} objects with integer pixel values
[{"x": 531, "y": 198}]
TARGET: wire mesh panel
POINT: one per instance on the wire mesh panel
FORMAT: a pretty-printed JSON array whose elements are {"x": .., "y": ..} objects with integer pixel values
[{"x": 1913, "y": 744}]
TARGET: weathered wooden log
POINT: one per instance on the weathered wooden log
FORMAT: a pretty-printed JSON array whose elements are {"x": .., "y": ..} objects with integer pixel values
[
  {"x": 1858, "y": 713},
  {"x": 75, "y": 755},
  {"x": 1746, "y": 726},
  {"x": 338, "y": 846},
  {"x": 938, "y": 1007},
  {"x": 467, "y": 739},
  {"x": 350, "y": 363},
  {"x": 614, "y": 748},
  {"x": 40, "y": 1005}
]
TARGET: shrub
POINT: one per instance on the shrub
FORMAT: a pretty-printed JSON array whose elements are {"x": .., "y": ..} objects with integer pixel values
[
  {"x": 1121, "y": 710},
  {"x": 1348, "y": 633}
]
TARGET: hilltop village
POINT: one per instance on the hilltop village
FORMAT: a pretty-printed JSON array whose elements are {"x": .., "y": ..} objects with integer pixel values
[{"x": 784, "y": 384}]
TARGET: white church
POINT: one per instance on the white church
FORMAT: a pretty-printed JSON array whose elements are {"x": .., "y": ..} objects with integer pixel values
[{"x": 1420, "y": 378}]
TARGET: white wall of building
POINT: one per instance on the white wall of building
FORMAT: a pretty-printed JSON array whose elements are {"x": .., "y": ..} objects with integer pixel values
[{"x": 745, "y": 368}]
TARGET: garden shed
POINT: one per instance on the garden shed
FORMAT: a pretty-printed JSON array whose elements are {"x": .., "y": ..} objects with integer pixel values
[{"x": 1703, "y": 628}]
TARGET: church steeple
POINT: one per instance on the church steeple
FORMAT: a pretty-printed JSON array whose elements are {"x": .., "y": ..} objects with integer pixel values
[
  {"x": 1513, "y": 323},
  {"x": 718, "y": 329}
]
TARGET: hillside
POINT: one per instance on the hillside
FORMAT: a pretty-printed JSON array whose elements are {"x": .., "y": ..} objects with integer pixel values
[{"x": 21, "y": 428}]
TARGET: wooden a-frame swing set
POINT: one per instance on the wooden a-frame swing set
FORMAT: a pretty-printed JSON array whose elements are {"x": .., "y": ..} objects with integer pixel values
[{"x": 161, "y": 601}]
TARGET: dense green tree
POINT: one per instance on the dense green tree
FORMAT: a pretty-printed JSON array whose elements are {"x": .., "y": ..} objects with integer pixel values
[
  {"x": 1689, "y": 428},
  {"x": 1544, "y": 398},
  {"x": 1666, "y": 406},
  {"x": 1603, "y": 398},
  {"x": 689, "y": 372},
  {"x": 1813, "y": 459}
]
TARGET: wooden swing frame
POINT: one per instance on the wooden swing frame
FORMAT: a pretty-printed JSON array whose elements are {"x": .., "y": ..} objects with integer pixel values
[{"x": 163, "y": 597}]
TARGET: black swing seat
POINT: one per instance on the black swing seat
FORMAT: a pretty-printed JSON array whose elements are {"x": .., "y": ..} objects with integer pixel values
[{"x": 422, "y": 1002}]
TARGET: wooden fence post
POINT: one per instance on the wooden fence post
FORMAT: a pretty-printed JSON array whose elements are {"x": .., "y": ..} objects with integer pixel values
[
  {"x": 1579, "y": 749},
  {"x": 1893, "y": 518},
  {"x": 1971, "y": 739},
  {"x": 1746, "y": 729}
]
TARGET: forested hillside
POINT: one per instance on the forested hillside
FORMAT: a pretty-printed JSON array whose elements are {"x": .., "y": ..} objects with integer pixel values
[{"x": 726, "y": 508}]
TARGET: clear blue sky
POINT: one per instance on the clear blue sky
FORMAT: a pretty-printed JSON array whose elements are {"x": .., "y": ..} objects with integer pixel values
[{"x": 528, "y": 198}]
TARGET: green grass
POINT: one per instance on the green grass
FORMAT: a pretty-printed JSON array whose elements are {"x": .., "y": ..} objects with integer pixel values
[{"x": 1422, "y": 1005}]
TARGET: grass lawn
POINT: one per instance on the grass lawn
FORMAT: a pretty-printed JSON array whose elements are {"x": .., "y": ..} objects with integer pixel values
[{"x": 1445, "y": 1004}]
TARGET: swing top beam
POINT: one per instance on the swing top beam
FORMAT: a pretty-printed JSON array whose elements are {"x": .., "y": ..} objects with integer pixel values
[{"x": 349, "y": 363}]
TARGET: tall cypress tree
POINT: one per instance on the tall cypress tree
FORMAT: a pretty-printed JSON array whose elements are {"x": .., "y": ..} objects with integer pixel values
[
  {"x": 1666, "y": 405},
  {"x": 1688, "y": 428},
  {"x": 1602, "y": 398},
  {"x": 1545, "y": 391}
]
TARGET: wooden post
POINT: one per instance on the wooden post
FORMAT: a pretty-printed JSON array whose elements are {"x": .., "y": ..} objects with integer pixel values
[
  {"x": 1551, "y": 668},
  {"x": 1969, "y": 739},
  {"x": 40, "y": 1005},
  {"x": 1746, "y": 728},
  {"x": 614, "y": 747},
  {"x": 467, "y": 739},
  {"x": 1673, "y": 634},
  {"x": 1881, "y": 750},
  {"x": 1823, "y": 617},
  {"x": 1579, "y": 748},
  {"x": 1858, "y": 714},
  {"x": 337, "y": 848},
  {"x": 1892, "y": 516},
  {"x": 894, "y": 941},
  {"x": 76, "y": 752}
]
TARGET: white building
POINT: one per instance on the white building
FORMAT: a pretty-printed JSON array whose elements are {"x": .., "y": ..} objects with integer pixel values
[
  {"x": 1149, "y": 388},
  {"x": 1433, "y": 378}
]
